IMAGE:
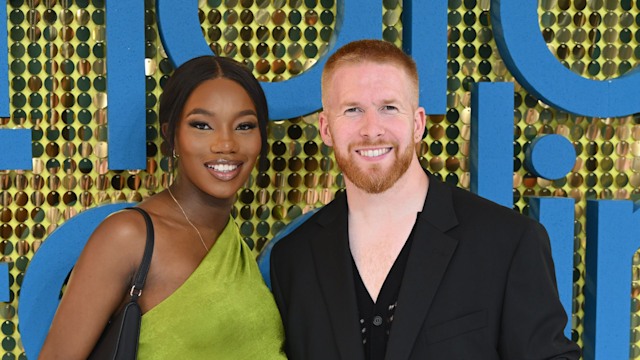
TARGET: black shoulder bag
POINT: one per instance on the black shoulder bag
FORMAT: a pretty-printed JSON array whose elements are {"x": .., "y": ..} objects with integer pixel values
[{"x": 119, "y": 340}]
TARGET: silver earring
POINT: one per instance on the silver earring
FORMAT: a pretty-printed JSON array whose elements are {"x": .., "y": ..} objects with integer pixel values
[{"x": 174, "y": 154}]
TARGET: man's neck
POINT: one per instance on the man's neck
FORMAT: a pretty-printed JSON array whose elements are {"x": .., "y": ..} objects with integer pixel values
[
  {"x": 407, "y": 195},
  {"x": 380, "y": 224}
]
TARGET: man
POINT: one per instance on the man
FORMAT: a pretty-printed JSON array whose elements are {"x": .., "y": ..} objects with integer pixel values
[{"x": 404, "y": 266}]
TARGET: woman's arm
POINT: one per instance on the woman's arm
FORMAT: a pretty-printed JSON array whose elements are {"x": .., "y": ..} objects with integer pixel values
[{"x": 97, "y": 286}]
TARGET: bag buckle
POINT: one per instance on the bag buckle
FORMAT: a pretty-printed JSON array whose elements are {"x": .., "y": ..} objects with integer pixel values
[{"x": 133, "y": 288}]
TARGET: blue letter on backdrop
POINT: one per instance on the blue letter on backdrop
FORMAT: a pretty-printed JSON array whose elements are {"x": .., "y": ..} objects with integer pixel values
[
  {"x": 613, "y": 236},
  {"x": 517, "y": 34},
  {"x": 492, "y": 142},
  {"x": 4, "y": 65},
  {"x": 300, "y": 95},
  {"x": 550, "y": 156},
  {"x": 15, "y": 149},
  {"x": 126, "y": 85},
  {"x": 48, "y": 270},
  {"x": 15, "y": 145},
  {"x": 424, "y": 37},
  {"x": 557, "y": 215}
]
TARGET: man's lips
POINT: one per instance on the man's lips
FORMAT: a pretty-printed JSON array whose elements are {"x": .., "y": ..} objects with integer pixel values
[{"x": 374, "y": 152}]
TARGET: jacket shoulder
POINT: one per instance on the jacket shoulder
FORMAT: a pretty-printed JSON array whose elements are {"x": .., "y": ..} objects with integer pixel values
[
  {"x": 298, "y": 233},
  {"x": 470, "y": 206}
]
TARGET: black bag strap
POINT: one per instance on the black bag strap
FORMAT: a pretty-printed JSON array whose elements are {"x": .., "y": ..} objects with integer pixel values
[{"x": 141, "y": 274}]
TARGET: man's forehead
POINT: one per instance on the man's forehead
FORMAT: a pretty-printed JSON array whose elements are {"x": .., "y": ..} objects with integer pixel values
[
  {"x": 392, "y": 71},
  {"x": 365, "y": 64},
  {"x": 394, "y": 74}
]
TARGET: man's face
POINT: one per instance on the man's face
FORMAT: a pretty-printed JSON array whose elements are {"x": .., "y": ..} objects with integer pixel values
[{"x": 372, "y": 121}]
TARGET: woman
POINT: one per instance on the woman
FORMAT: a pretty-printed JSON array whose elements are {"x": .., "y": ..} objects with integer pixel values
[{"x": 204, "y": 296}]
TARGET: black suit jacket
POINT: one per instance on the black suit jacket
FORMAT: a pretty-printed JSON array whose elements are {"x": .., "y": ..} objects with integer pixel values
[{"x": 479, "y": 284}]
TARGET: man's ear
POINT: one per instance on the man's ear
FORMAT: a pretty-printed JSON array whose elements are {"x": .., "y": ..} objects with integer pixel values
[
  {"x": 419, "y": 123},
  {"x": 325, "y": 133}
]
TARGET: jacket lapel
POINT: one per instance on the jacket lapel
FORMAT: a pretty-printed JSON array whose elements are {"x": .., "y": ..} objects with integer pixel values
[
  {"x": 430, "y": 254},
  {"x": 335, "y": 275}
]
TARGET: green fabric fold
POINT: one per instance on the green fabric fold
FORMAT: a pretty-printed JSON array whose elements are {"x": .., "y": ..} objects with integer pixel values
[{"x": 222, "y": 311}]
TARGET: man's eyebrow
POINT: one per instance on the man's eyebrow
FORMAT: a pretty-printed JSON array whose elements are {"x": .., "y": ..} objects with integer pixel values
[
  {"x": 350, "y": 104},
  {"x": 382, "y": 102},
  {"x": 389, "y": 101}
]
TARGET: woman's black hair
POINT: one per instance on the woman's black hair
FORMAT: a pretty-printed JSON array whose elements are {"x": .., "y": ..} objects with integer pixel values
[{"x": 194, "y": 72}]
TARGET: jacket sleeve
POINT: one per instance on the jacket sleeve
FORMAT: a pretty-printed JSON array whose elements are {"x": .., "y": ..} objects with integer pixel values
[
  {"x": 533, "y": 318},
  {"x": 275, "y": 287}
]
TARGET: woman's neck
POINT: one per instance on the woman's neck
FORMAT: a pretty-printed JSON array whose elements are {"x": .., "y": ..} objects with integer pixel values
[{"x": 202, "y": 209}]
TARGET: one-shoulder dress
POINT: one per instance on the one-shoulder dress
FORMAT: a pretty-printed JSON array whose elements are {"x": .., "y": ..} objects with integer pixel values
[{"x": 222, "y": 311}]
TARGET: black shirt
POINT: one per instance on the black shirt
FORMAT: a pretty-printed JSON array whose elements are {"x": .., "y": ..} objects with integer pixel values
[{"x": 376, "y": 317}]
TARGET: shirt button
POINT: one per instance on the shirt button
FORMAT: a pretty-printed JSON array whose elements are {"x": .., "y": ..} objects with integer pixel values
[{"x": 377, "y": 321}]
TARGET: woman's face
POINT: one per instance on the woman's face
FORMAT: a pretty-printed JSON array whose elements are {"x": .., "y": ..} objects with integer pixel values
[{"x": 217, "y": 138}]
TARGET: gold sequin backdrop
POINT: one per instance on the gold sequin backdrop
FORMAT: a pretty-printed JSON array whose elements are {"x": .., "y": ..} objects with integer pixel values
[{"x": 58, "y": 81}]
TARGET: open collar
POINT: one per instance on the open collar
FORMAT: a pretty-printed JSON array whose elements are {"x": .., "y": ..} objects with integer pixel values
[{"x": 430, "y": 254}]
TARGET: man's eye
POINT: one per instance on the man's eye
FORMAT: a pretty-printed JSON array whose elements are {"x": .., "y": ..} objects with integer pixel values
[
  {"x": 353, "y": 110},
  {"x": 389, "y": 108}
]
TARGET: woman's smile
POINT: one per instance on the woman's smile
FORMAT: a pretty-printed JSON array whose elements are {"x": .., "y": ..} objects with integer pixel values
[{"x": 224, "y": 170}]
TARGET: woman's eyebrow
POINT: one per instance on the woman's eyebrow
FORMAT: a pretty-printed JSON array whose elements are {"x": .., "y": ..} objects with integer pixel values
[
  {"x": 247, "y": 112},
  {"x": 200, "y": 111}
]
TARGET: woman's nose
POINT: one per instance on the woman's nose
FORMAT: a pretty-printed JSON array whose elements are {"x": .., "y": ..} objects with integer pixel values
[{"x": 223, "y": 143}]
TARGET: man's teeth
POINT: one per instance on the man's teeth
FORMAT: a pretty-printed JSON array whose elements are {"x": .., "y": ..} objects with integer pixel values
[
  {"x": 374, "y": 152},
  {"x": 223, "y": 167}
]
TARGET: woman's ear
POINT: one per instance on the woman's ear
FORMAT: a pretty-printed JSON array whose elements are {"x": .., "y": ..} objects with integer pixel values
[
  {"x": 164, "y": 128},
  {"x": 169, "y": 137}
]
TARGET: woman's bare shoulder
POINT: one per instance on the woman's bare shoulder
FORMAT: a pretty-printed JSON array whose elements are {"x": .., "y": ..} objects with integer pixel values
[
  {"x": 98, "y": 284},
  {"x": 120, "y": 238},
  {"x": 125, "y": 224}
]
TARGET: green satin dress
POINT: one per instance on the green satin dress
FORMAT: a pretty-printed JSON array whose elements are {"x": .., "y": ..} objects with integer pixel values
[{"x": 222, "y": 311}]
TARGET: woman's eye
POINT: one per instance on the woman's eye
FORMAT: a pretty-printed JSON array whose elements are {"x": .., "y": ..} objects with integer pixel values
[
  {"x": 199, "y": 125},
  {"x": 247, "y": 126}
]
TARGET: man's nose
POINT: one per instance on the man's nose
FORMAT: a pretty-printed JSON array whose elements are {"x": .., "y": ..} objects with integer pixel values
[{"x": 372, "y": 126}]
